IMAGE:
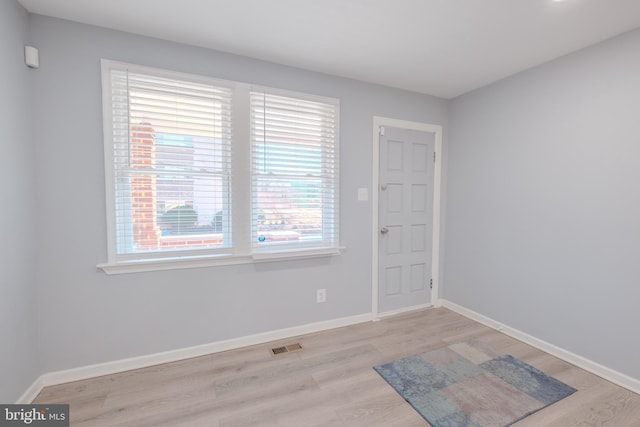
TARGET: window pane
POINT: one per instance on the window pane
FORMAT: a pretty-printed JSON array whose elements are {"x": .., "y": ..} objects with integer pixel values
[
  {"x": 295, "y": 175},
  {"x": 172, "y": 161},
  {"x": 289, "y": 210}
]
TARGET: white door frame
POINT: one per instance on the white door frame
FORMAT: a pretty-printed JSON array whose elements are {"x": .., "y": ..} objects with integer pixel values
[{"x": 435, "y": 262}]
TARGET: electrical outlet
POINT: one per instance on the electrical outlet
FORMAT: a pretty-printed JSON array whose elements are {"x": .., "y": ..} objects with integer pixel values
[{"x": 321, "y": 295}]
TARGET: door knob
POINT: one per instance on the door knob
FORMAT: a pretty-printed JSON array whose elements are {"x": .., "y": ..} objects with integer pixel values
[{"x": 384, "y": 230}]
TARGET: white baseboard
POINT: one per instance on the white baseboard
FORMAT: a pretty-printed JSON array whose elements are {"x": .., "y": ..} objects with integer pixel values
[
  {"x": 404, "y": 310},
  {"x": 31, "y": 393},
  {"x": 91, "y": 371},
  {"x": 608, "y": 374}
]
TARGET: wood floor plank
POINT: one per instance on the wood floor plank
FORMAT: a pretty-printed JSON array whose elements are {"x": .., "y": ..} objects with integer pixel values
[{"x": 329, "y": 382}]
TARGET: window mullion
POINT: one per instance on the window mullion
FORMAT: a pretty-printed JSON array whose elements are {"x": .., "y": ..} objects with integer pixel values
[{"x": 241, "y": 171}]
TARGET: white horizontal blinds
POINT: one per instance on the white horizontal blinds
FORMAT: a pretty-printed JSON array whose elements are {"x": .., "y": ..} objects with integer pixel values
[
  {"x": 172, "y": 162},
  {"x": 294, "y": 172}
]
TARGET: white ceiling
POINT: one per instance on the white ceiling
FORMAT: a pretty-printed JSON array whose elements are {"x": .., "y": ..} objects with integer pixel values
[{"x": 438, "y": 47}]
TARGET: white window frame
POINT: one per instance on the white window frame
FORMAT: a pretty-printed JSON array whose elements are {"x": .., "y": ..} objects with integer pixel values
[
  {"x": 285, "y": 249},
  {"x": 240, "y": 250}
]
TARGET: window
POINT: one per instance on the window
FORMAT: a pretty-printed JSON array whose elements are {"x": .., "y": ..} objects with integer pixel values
[
  {"x": 169, "y": 147},
  {"x": 178, "y": 189},
  {"x": 294, "y": 172}
]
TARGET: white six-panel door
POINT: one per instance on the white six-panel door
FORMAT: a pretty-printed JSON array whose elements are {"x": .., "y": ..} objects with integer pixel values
[{"x": 405, "y": 216}]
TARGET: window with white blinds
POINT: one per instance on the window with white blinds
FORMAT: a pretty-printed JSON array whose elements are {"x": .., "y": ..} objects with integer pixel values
[
  {"x": 294, "y": 191},
  {"x": 201, "y": 171},
  {"x": 169, "y": 145}
]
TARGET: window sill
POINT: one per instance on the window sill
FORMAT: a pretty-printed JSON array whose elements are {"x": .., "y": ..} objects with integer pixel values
[
  {"x": 213, "y": 261},
  {"x": 289, "y": 255}
]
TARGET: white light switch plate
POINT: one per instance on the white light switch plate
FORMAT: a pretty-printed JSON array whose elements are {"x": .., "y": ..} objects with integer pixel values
[{"x": 363, "y": 194}]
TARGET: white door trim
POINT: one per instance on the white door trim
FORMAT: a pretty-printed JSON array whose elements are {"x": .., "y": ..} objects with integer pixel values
[{"x": 423, "y": 127}]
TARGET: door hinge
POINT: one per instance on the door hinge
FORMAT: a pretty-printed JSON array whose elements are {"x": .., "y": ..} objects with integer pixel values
[
  {"x": 381, "y": 131},
  {"x": 434, "y": 157},
  {"x": 431, "y": 284}
]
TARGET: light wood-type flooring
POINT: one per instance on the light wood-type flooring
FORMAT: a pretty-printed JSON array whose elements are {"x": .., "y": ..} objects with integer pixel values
[{"x": 330, "y": 382}]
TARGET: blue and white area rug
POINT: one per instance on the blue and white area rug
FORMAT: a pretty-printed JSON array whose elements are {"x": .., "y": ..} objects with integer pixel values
[{"x": 459, "y": 386}]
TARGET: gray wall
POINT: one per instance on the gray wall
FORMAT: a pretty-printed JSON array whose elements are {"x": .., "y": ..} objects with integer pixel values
[
  {"x": 89, "y": 317},
  {"x": 18, "y": 325},
  {"x": 543, "y": 214}
]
